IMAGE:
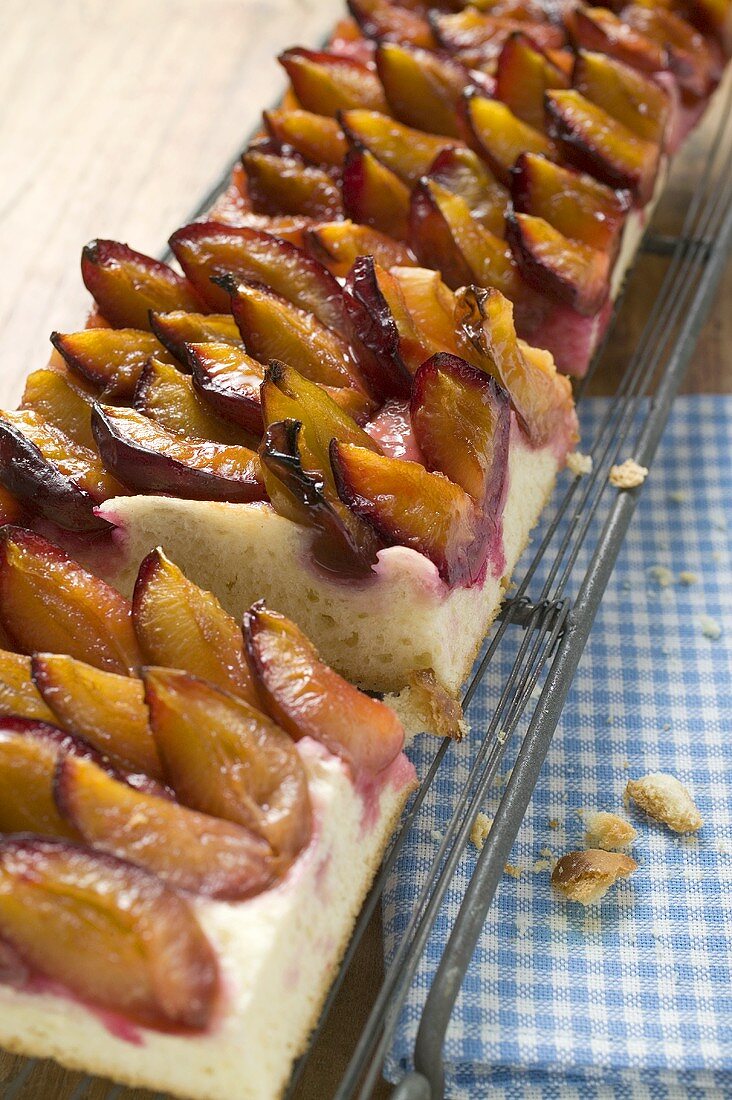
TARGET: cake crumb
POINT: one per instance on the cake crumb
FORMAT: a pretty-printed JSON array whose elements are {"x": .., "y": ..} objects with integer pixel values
[
  {"x": 665, "y": 799},
  {"x": 607, "y": 831},
  {"x": 678, "y": 496},
  {"x": 553, "y": 823},
  {"x": 512, "y": 870},
  {"x": 688, "y": 578},
  {"x": 547, "y": 853},
  {"x": 710, "y": 628},
  {"x": 542, "y": 865},
  {"x": 661, "y": 574},
  {"x": 587, "y": 876},
  {"x": 481, "y": 828},
  {"x": 628, "y": 475},
  {"x": 579, "y": 464}
]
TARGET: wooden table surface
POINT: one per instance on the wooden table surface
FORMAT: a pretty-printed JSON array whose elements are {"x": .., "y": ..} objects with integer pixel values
[{"x": 116, "y": 119}]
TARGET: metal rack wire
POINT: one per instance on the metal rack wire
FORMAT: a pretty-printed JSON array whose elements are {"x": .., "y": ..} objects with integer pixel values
[{"x": 554, "y": 605}]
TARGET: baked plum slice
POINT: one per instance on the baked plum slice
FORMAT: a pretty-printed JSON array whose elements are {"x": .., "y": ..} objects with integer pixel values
[
  {"x": 182, "y": 626},
  {"x": 318, "y": 139},
  {"x": 50, "y": 604},
  {"x": 111, "y": 359},
  {"x": 387, "y": 22},
  {"x": 144, "y": 954},
  {"x": 55, "y": 476},
  {"x": 126, "y": 285},
  {"x": 11, "y": 509},
  {"x": 187, "y": 849},
  {"x": 338, "y": 244},
  {"x": 445, "y": 236},
  {"x": 633, "y": 99},
  {"x": 430, "y": 304},
  {"x": 541, "y": 397},
  {"x": 422, "y": 87},
  {"x": 555, "y": 265},
  {"x": 405, "y": 151},
  {"x": 477, "y": 37},
  {"x": 61, "y": 399},
  {"x": 575, "y": 203},
  {"x": 690, "y": 58},
  {"x": 151, "y": 459},
  {"x": 281, "y": 183},
  {"x": 207, "y": 251},
  {"x": 384, "y": 327},
  {"x": 19, "y": 696},
  {"x": 225, "y": 758},
  {"x": 308, "y": 699},
  {"x": 326, "y": 83},
  {"x": 29, "y": 754},
  {"x": 103, "y": 708},
  {"x": 176, "y": 329},
  {"x": 408, "y": 505},
  {"x": 373, "y": 195},
  {"x": 274, "y": 328},
  {"x": 595, "y": 142},
  {"x": 461, "y": 170},
  {"x": 523, "y": 74},
  {"x": 500, "y": 136},
  {"x": 461, "y": 420},
  {"x": 343, "y": 544},
  {"x": 169, "y": 398},
  {"x": 602, "y": 31},
  {"x": 229, "y": 380}
]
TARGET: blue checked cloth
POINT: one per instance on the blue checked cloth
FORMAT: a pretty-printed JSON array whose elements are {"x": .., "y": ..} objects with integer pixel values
[{"x": 632, "y": 998}]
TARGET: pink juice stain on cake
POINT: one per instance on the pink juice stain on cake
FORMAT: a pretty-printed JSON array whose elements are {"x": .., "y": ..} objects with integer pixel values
[
  {"x": 119, "y": 1026},
  {"x": 398, "y": 775},
  {"x": 392, "y": 429}
]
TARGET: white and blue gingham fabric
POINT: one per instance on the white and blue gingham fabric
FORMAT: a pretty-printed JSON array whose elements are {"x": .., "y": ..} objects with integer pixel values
[{"x": 631, "y": 998}]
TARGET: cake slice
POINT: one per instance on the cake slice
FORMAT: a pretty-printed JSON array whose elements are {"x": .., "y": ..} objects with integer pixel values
[{"x": 216, "y": 891}]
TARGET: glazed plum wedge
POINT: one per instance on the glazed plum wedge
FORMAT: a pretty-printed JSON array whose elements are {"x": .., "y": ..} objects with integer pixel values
[
  {"x": 541, "y": 398},
  {"x": 317, "y": 138},
  {"x": 181, "y": 626},
  {"x": 273, "y": 328},
  {"x": 46, "y": 469},
  {"x": 523, "y": 74},
  {"x": 169, "y": 398},
  {"x": 18, "y": 694},
  {"x": 149, "y": 458},
  {"x": 177, "y": 329},
  {"x": 63, "y": 400},
  {"x": 407, "y": 152},
  {"x": 575, "y": 203},
  {"x": 500, "y": 136},
  {"x": 326, "y": 83},
  {"x": 187, "y": 849},
  {"x": 461, "y": 170},
  {"x": 281, "y": 183},
  {"x": 126, "y": 285},
  {"x": 228, "y": 379},
  {"x": 389, "y": 22},
  {"x": 373, "y": 195},
  {"x": 225, "y": 758},
  {"x": 422, "y": 87},
  {"x": 408, "y": 505},
  {"x": 308, "y": 699},
  {"x": 477, "y": 37},
  {"x": 49, "y": 603},
  {"x": 461, "y": 420},
  {"x": 555, "y": 265},
  {"x": 337, "y": 245},
  {"x": 601, "y": 30},
  {"x": 103, "y": 708},
  {"x": 144, "y": 953},
  {"x": 595, "y": 142},
  {"x": 110, "y": 359},
  {"x": 207, "y": 251},
  {"x": 630, "y": 97},
  {"x": 430, "y": 303}
]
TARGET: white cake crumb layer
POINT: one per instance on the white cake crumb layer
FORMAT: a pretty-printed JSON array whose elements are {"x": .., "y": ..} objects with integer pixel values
[
  {"x": 278, "y": 954},
  {"x": 375, "y": 632}
]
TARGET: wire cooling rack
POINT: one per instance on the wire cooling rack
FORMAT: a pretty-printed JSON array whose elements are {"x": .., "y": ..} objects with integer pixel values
[{"x": 554, "y": 606}]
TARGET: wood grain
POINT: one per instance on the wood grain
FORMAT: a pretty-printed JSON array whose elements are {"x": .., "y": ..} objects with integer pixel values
[{"x": 116, "y": 119}]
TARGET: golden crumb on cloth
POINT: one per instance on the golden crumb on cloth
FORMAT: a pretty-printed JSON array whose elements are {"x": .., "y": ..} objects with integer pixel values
[
  {"x": 710, "y": 628},
  {"x": 480, "y": 830},
  {"x": 608, "y": 831},
  {"x": 628, "y": 475},
  {"x": 587, "y": 876},
  {"x": 579, "y": 464},
  {"x": 664, "y": 798}
]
